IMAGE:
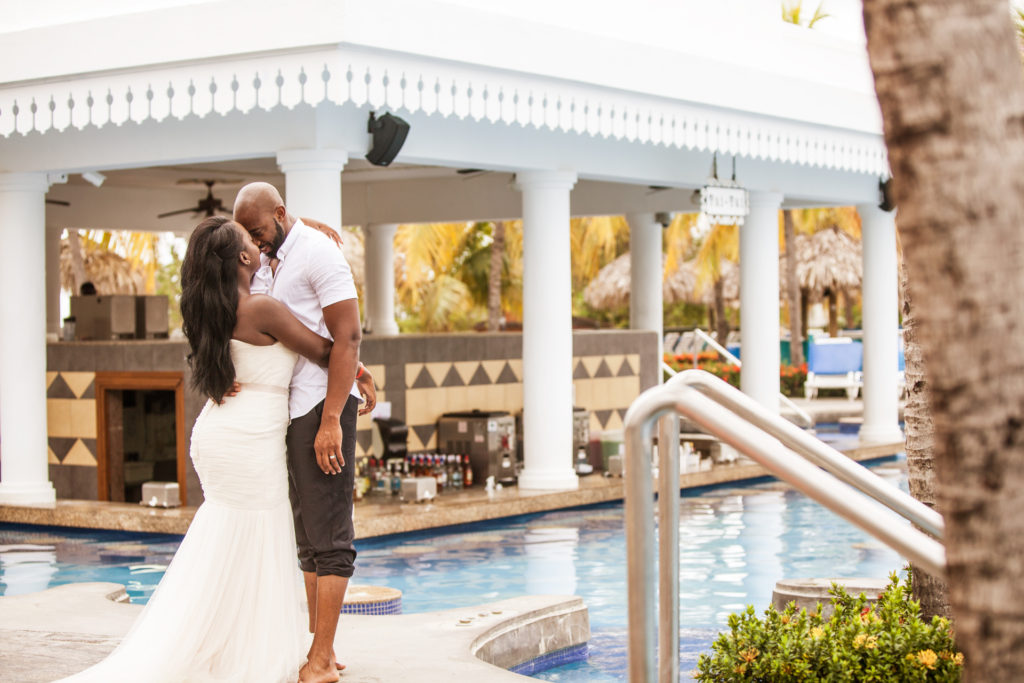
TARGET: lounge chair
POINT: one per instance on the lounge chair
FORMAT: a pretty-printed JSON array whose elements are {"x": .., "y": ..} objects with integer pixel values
[{"x": 834, "y": 364}]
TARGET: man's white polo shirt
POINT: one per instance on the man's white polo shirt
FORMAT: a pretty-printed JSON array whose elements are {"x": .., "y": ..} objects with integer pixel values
[{"x": 312, "y": 274}]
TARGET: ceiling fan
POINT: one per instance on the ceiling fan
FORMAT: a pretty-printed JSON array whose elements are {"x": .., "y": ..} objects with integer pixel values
[{"x": 208, "y": 205}]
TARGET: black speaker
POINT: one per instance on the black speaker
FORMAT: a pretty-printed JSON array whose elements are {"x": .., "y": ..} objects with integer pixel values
[
  {"x": 887, "y": 203},
  {"x": 394, "y": 436},
  {"x": 389, "y": 133}
]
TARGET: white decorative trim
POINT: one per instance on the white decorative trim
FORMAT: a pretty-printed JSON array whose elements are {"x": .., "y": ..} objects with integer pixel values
[{"x": 380, "y": 80}]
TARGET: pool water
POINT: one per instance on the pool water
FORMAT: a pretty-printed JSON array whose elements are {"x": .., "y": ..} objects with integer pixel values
[{"x": 735, "y": 543}]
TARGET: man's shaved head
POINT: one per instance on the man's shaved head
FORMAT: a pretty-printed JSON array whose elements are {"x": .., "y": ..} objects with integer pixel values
[
  {"x": 260, "y": 210},
  {"x": 255, "y": 200}
]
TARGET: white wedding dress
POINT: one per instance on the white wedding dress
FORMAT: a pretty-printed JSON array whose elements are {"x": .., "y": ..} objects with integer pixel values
[{"x": 230, "y": 606}]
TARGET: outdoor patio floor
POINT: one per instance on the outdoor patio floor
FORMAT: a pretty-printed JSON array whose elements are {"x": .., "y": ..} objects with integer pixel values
[{"x": 63, "y": 630}]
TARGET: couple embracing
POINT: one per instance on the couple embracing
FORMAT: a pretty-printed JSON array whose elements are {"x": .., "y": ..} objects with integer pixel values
[{"x": 272, "y": 320}]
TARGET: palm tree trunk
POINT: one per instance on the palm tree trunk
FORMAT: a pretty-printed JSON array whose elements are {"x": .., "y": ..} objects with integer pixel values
[
  {"x": 796, "y": 349},
  {"x": 721, "y": 320},
  {"x": 929, "y": 590},
  {"x": 848, "y": 302},
  {"x": 805, "y": 305},
  {"x": 77, "y": 261},
  {"x": 494, "y": 278},
  {"x": 833, "y": 315},
  {"x": 948, "y": 79}
]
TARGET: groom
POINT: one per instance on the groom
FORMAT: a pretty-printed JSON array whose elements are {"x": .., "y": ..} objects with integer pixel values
[{"x": 303, "y": 269}]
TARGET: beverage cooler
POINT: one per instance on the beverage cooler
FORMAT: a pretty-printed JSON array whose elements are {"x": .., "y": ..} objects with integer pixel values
[{"x": 488, "y": 438}]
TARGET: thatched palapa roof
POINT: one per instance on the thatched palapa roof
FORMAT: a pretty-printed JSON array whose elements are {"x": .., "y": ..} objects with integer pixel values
[
  {"x": 111, "y": 273},
  {"x": 610, "y": 287},
  {"x": 828, "y": 259}
]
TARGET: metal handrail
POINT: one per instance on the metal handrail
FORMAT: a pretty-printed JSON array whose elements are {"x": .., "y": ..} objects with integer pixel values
[
  {"x": 813, "y": 449},
  {"x": 805, "y": 419},
  {"x": 731, "y": 416}
]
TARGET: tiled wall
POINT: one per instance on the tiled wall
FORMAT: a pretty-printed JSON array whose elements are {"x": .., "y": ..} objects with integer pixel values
[
  {"x": 423, "y": 376},
  {"x": 429, "y": 375},
  {"x": 71, "y": 405}
]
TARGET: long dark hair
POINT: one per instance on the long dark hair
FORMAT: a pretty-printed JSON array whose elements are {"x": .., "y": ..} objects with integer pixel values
[{"x": 209, "y": 299}]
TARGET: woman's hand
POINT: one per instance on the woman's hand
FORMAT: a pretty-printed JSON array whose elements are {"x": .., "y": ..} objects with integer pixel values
[{"x": 364, "y": 383}]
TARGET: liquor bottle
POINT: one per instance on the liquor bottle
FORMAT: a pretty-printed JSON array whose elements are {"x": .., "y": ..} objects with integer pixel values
[
  {"x": 456, "y": 471},
  {"x": 383, "y": 480},
  {"x": 467, "y": 472},
  {"x": 396, "y": 479},
  {"x": 442, "y": 476},
  {"x": 357, "y": 488},
  {"x": 372, "y": 474}
]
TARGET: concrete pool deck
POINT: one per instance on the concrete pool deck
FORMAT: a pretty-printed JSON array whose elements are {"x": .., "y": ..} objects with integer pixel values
[
  {"x": 384, "y": 516},
  {"x": 63, "y": 630}
]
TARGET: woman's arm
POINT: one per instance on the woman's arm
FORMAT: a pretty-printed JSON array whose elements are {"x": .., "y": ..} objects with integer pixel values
[{"x": 273, "y": 318}]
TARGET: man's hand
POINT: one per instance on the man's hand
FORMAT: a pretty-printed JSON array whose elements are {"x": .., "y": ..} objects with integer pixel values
[
  {"x": 367, "y": 390},
  {"x": 328, "y": 447},
  {"x": 233, "y": 391}
]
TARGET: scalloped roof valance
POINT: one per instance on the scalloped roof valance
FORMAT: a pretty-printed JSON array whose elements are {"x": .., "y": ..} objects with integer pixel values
[{"x": 422, "y": 85}]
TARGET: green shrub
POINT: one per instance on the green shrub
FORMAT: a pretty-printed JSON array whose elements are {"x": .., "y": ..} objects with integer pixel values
[{"x": 889, "y": 642}]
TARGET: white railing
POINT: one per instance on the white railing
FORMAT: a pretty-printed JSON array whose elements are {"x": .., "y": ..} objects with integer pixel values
[
  {"x": 787, "y": 452},
  {"x": 804, "y": 419}
]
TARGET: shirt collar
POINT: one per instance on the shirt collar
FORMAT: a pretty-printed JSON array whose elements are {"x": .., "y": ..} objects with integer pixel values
[{"x": 290, "y": 240}]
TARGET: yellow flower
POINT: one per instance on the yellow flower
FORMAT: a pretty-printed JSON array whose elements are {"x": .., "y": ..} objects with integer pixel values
[
  {"x": 749, "y": 655},
  {"x": 817, "y": 632},
  {"x": 872, "y": 643},
  {"x": 740, "y": 669},
  {"x": 859, "y": 640},
  {"x": 959, "y": 659},
  {"x": 785, "y": 619},
  {"x": 927, "y": 659}
]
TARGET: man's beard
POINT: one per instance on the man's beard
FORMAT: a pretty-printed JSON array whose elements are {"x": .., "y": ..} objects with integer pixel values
[{"x": 278, "y": 240}]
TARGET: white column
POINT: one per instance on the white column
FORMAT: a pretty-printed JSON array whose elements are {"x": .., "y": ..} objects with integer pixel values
[
  {"x": 53, "y": 282},
  {"x": 24, "y": 473},
  {"x": 880, "y": 306},
  {"x": 759, "y": 300},
  {"x": 312, "y": 179},
  {"x": 379, "y": 272},
  {"x": 547, "y": 331},
  {"x": 645, "y": 270}
]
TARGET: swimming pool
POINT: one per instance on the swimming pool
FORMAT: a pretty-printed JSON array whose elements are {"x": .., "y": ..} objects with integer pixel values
[{"x": 735, "y": 543}]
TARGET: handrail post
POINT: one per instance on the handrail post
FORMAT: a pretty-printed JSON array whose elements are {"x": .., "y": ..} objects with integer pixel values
[
  {"x": 640, "y": 561},
  {"x": 668, "y": 547}
]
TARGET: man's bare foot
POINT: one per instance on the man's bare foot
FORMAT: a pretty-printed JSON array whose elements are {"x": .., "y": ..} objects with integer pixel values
[{"x": 309, "y": 674}]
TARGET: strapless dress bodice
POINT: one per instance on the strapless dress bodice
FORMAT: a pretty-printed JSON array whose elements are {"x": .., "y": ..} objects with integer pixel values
[{"x": 269, "y": 366}]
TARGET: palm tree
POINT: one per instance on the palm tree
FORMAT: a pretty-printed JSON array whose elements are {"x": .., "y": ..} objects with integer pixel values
[
  {"x": 595, "y": 242},
  {"x": 796, "y": 338},
  {"x": 947, "y": 74},
  {"x": 722, "y": 242},
  {"x": 494, "y": 278},
  {"x": 430, "y": 295},
  {"x": 929, "y": 590}
]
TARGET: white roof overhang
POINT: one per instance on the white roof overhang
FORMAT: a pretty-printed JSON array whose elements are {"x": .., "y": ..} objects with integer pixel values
[{"x": 524, "y": 94}]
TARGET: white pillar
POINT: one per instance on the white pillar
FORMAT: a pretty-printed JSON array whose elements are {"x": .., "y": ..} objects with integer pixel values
[
  {"x": 759, "y": 300},
  {"x": 53, "y": 282},
  {"x": 645, "y": 271},
  {"x": 24, "y": 472},
  {"x": 547, "y": 331},
  {"x": 379, "y": 272},
  {"x": 880, "y": 306},
  {"x": 312, "y": 179}
]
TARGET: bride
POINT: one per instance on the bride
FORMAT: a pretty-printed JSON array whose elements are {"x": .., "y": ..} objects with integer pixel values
[{"x": 229, "y": 607}]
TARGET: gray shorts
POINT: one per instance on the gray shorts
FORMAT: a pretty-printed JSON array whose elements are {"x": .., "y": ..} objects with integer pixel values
[{"x": 322, "y": 503}]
